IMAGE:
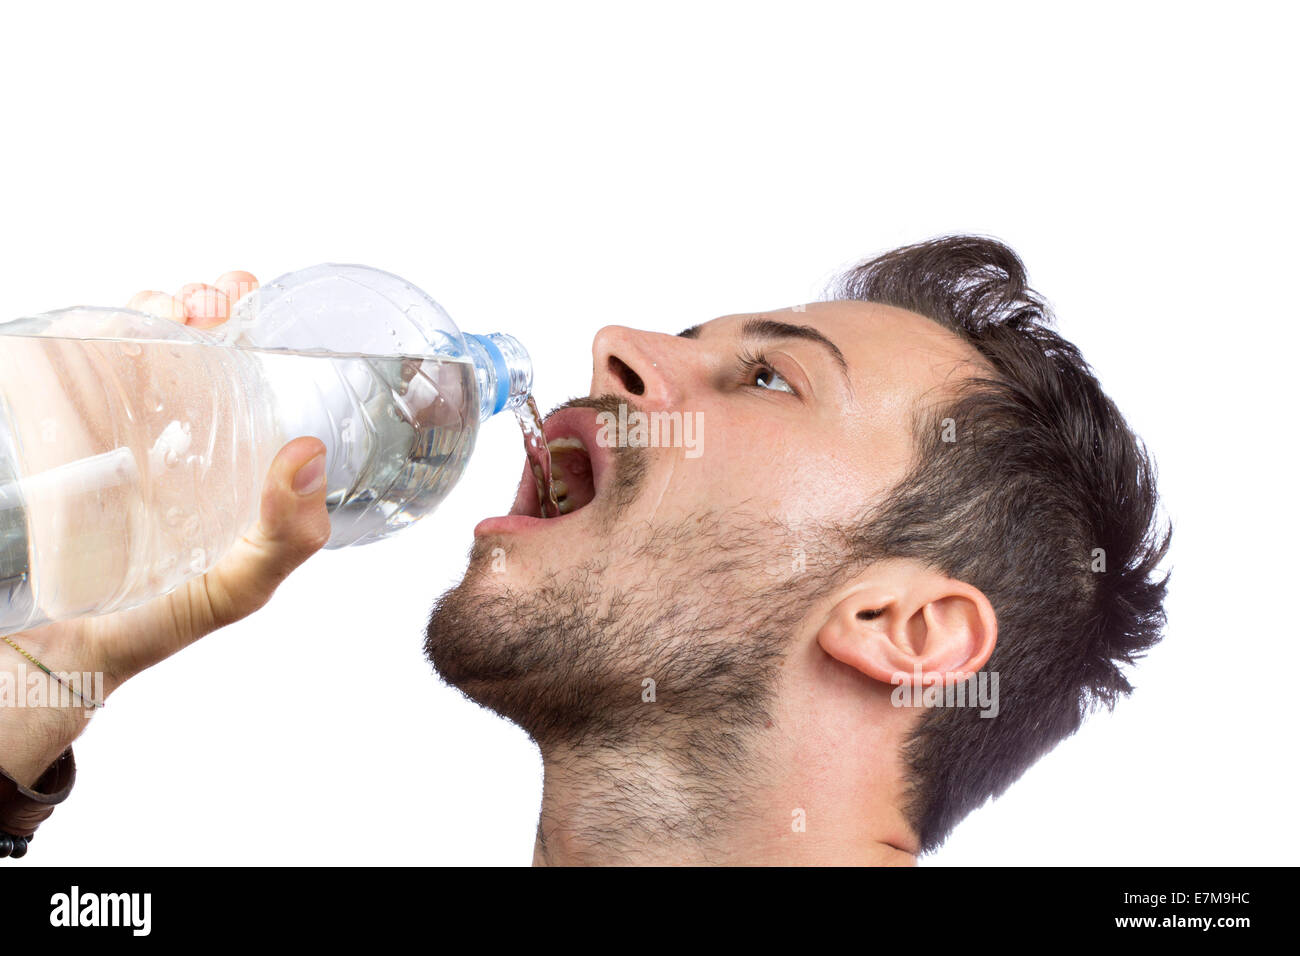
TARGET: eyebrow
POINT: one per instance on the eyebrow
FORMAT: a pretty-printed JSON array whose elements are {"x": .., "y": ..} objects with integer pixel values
[{"x": 770, "y": 329}]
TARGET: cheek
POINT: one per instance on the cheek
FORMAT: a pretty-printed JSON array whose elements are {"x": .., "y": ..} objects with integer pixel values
[
  {"x": 793, "y": 474},
  {"x": 764, "y": 465},
  {"x": 766, "y": 469}
]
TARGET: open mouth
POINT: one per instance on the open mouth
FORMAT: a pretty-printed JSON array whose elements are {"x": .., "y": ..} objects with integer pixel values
[
  {"x": 571, "y": 477},
  {"x": 578, "y": 467}
]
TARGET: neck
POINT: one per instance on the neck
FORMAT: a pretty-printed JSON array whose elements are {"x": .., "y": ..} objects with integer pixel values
[{"x": 631, "y": 807}]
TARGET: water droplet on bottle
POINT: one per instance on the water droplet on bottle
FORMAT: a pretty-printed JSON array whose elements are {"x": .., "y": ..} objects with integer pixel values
[
  {"x": 170, "y": 458},
  {"x": 174, "y": 516},
  {"x": 131, "y": 349}
]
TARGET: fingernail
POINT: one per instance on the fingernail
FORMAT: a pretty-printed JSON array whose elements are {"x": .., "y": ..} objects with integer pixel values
[{"x": 310, "y": 476}]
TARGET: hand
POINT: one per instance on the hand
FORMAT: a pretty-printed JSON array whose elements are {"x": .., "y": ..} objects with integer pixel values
[{"x": 293, "y": 525}]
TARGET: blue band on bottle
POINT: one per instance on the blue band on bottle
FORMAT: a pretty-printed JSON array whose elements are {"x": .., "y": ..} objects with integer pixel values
[{"x": 503, "y": 373}]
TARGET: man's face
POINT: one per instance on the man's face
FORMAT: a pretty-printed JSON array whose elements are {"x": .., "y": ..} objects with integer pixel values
[{"x": 694, "y": 558}]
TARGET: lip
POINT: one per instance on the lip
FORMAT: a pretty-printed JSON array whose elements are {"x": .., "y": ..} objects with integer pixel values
[{"x": 579, "y": 423}]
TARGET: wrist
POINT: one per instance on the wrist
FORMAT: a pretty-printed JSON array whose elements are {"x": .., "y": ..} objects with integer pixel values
[{"x": 39, "y": 717}]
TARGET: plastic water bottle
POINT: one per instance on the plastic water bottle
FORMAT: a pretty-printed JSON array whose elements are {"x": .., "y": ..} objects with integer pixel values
[{"x": 133, "y": 449}]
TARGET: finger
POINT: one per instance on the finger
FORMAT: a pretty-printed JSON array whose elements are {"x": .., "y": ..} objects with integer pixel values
[
  {"x": 293, "y": 525},
  {"x": 139, "y": 298},
  {"x": 159, "y": 304},
  {"x": 205, "y": 305},
  {"x": 235, "y": 285}
]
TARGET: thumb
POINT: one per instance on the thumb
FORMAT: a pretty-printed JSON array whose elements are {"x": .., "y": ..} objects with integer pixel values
[{"x": 293, "y": 525}]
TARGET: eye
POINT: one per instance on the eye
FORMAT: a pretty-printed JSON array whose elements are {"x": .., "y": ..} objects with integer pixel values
[
  {"x": 770, "y": 378},
  {"x": 759, "y": 373}
]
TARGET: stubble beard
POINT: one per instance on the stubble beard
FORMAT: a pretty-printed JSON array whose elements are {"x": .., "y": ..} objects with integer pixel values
[{"x": 678, "y": 670}]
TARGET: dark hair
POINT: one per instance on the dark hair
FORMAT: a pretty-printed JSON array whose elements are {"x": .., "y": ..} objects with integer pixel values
[{"x": 1043, "y": 470}]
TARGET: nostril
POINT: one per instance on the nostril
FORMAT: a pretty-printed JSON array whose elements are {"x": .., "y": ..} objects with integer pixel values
[{"x": 623, "y": 372}]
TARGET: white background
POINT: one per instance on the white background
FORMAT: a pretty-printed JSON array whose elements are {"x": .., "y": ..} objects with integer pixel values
[{"x": 547, "y": 169}]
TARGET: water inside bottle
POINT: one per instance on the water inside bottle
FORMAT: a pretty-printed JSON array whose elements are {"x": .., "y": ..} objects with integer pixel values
[
  {"x": 539, "y": 456},
  {"x": 137, "y": 463}
]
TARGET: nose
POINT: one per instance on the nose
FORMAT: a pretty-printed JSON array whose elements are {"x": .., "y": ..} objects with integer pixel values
[{"x": 646, "y": 366}]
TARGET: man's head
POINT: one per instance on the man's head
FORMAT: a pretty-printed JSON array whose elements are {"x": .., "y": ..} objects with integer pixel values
[{"x": 912, "y": 481}]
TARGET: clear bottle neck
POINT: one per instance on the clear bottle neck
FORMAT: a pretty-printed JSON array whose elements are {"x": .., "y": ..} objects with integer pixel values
[{"x": 503, "y": 370}]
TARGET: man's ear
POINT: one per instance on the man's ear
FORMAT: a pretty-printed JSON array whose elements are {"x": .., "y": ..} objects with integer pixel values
[{"x": 901, "y": 618}]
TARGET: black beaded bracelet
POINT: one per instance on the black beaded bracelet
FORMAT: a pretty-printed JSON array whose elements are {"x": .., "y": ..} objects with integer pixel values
[{"x": 14, "y": 846}]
